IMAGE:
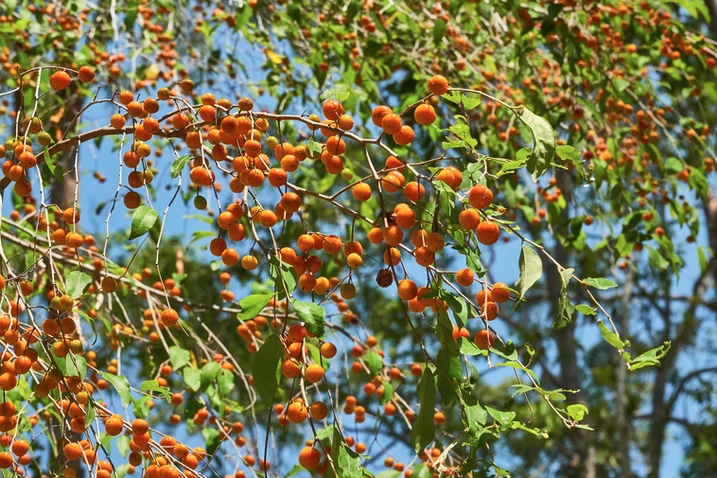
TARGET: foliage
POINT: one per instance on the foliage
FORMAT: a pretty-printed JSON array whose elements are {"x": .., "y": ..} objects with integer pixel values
[{"x": 337, "y": 290}]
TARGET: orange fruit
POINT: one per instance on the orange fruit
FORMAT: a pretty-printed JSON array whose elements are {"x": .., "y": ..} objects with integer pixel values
[
  {"x": 484, "y": 339},
  {"x": 480, "y": 197},
  {"x": 469, "y": 219},
  {"x": 489, "y": 311},
  {"x": 314, "y": 373},
  {"x": 59, "y": 80},
  {"x": 424, "y": 114},
  {"x": 488, "y": 232},
  {"x": 309, "y": 457},
  {"x": 465, "y": 277},
  {"x": 500, "y": 292},
  {"x": 438, "y": 85}
]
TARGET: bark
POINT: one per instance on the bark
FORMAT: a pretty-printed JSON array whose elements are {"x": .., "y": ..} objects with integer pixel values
[
  {"x": 62, "y": 193},
  {"x": 660, "y": 416},
  {"x": 712, "y": 6},
  {"x": 623, "y": 422},
  {"x": 584, "y": 461},
  {"x": 681, "y": 335}
]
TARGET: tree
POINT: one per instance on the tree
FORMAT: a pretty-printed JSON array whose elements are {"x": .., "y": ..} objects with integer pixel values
[{"x": 333, "y": 240}]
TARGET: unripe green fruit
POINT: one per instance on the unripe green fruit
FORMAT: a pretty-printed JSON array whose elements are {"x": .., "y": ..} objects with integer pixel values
[
  {"x": 56, "y": 303},
  {"x": 44, "y": 138},
  {"x": 200, "y": 202},
  {"x": 272, "y": 142}
]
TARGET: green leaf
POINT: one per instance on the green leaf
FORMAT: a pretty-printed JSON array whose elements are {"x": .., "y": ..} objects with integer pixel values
[
  {"x": 449, "y": 363},
  {"x": 213, "y": 395},
  {"x": 178, "y": 357},
  {"x": 353, "y": 9},
  {"x": 476, "y": 415},
  {"x": 389, "y": 474},
  {"x": 567, "y": 153},
  {"x": 209, "y": 372},
  {"x": 503, "y": 418},
  {"x": 143, "y": 219},
  {"x": 212, "y": 439},
  {"x": 193, "y": 378},
  {"x": 225, "y": 381},
  {"x": 52, "y": 167},
  {"x": 577, "y": 411},
  {"x": 312, "y": 314},
  {"x": 610, "y": 336},
  {"x": 694, "y": 7},
  {"x": 515, "y": 365},
  {"x": 178, "y": 165},
  {"x": 421, "y": 471},
  {"x": 565, "y": 307},
  {"x": 651, "y": 358},
  {"x": 470, "y": 102},
  {"x": 199, "y": 235},
  {"x": 295, "y": 471},
  {"x": 599, "y": 283},
  {"x": 543, "y": 142},
  {"x": 122, "y": 470},
  {"x": 341, "y": 91},
  {"x": 673, "y": 165},
  {"x": 280, "y": 273},
  {"x": 77, "y": 283},
  {"x": 702, "y": 257},
  {"x": 531, "y": 270},
  {"x": 621, "y": 84},
  {"x": 131, "y": 11},
  {"x": 463, "y": 132},
  {"x": 458, "y": 306},
  {"x": 533, "y": 431},
  {"x": 444, "y": 329},
  {"x": 325, "y": 183},
  {"x": 264, "y": 368},
  {"x": 252, "y": 305},
  {"x": 586, "y": 309},
  {"x": 314, "y": 147},
  {"x": 72, "y": 365},
  {"x": 348, "y": 462},
  {"x": 324, "y": 434},
  {"x": 469, "y": 348},
  {"x": 374, "y": 362},
  {"x": 121, "y": 385},
  {"x": 153, "y": 386},
  {"x": 510, "y": 166},
  {"x": 424, "y": 428},
  {"x": 123, "y": 445},
  {"x": 387, "y": 392},
  {"x": 439, "y": 31}
]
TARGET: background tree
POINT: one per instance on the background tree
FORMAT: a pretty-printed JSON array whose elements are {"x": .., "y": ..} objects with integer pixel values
[{"x": 588, "y": 124}]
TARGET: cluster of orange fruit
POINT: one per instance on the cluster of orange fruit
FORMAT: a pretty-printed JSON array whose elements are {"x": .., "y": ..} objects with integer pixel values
[{"x": 213, "y": 135}]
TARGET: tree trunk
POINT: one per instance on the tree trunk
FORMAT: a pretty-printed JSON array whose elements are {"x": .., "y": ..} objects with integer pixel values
[
  {"x": 658, "y": 422},
  {"x": 584, "y": 461},
  {"x": 712, "y": 6},
  {"x": 62, "y": 193},
  {"x": 623, "y": 421},
  {"x": 681, "y": 336}
]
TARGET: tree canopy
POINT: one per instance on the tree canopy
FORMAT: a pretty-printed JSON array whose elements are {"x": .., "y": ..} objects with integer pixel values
[{"x": 357, "y": 238}]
